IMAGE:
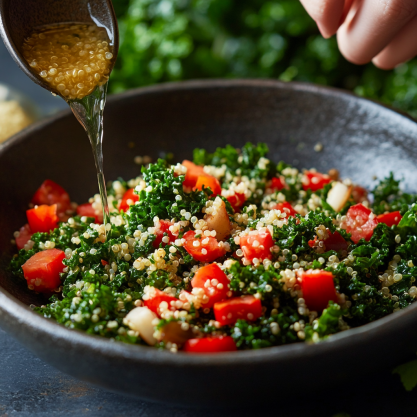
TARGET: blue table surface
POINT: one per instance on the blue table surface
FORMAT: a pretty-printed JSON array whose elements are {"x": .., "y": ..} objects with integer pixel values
[{"x": 30, "y": 387}]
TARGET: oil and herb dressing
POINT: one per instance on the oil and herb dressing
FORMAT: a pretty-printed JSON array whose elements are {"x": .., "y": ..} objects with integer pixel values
[{"x": 75, "y": 60}]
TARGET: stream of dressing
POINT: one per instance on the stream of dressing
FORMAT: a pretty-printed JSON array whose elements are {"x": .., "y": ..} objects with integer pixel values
[{"x": 89, "y": 112}]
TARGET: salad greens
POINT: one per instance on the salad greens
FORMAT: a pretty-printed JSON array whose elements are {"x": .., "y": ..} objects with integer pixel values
[{"x": 281, "y": 226}]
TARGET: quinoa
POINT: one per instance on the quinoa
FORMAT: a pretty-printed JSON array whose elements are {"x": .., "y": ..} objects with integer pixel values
[{"x": 233, "y": 247}]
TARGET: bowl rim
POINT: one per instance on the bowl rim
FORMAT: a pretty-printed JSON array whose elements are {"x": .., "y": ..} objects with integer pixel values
[{"x": 20, "y": 314}]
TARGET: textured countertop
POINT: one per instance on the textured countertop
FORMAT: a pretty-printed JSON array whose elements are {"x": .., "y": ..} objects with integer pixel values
[{"x": 30, "y": 387}]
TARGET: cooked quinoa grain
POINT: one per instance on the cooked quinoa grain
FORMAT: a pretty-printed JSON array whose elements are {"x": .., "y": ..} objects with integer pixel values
[{"x": 231, "y": 251}]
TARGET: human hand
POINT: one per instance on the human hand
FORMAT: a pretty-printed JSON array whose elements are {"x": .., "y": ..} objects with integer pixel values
[{"x": 381, "y": 31}]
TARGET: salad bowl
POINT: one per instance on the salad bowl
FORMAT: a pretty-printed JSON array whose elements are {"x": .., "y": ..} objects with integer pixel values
[{"x": 360, "y": 138}]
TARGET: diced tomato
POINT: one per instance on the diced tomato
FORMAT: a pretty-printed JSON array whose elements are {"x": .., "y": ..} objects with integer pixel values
[
  {"x": 237, "y": 200},
  {"x": 208, "y": 182},
  {"x": 158, "y": 297},
  {"x": 335, "y": 242},
  {"x": 246, "y": 307},
  {"x": 312, "y": 243},
  {"x": 285, "y": 208},
  {"x": 257, "y": 244},
  {"x": 88, "y": 211},
  {"x": 318, "y": 289},
  {"x": 24, "y": 235},
  {"x": 161, "y": 228},
  {"x": 359, "y": 194},
  {"x": 360, "y": 223},
  {"x": 51, "y": 193},
  {"x": 42, "y": 270},
  {"x": 314, "y": 180},
  {"x": 210, "y": 345},
  {"x": 204, "y": 252},
  {"x": 42, "y": 218},
  {"x": 213, "y": 281},
  {"x": 390, "y": 219},
  {"x": 129, "y": 198},
  {"x": 104, "y": 262},
  {"x": 277, "y": 183},
  {"x": 193, "y": 172}
]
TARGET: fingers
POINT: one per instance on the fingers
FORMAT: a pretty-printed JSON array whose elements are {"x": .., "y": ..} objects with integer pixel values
[
  {"x": 367, "y": 32},
  {"x": 402, "y": 48},
  {"x": 326, "y": 13}
]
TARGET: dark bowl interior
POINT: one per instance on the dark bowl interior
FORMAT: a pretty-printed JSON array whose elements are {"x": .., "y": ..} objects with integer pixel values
[{"x": 360, "y": 138}]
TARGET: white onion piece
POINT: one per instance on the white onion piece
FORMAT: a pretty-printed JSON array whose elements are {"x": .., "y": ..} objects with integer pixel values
[
  {"x": 140, "y": 319},
  {"x": 220, "y": 221},
  {"x": 338, "y": 195}
]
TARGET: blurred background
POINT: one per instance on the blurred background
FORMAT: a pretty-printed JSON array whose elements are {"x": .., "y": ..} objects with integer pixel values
[{"x": 172, "y": 40}]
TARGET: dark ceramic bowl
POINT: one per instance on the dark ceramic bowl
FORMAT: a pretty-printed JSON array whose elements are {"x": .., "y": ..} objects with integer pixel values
[{"x": 360, "y": 138}]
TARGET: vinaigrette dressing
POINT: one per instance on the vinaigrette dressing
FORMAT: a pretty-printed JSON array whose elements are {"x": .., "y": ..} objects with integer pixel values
[{"x": 75, "y": 60}]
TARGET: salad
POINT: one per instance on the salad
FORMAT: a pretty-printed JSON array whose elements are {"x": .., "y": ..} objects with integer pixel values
[{"x": 231, "y": 251}]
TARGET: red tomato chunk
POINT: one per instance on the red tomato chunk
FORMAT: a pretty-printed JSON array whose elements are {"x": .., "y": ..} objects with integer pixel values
[
  {"x": 42, "y": 218},
  {"x": 207, "y": 250},
  {"x": 314, "y": 180},
  {"x": 159, "y": 296},
  {"x": 193, "y": 172},
  {"x": 237, "y": 200},
  {"x": 277, "y": 183},
  {"x": 24, "y": 235},
  {"x": 51, "y": 193},
  {"x": 285, "y": 208},
  {"x": 210, "y": 345},
  {"x": 247, "y": 308},
  {"x": 88, "y": 211},
  {"x": 161, "y": 230},
  {"x": 208, "y": 182},
  {"x": 213, "y": 281},
  {"x": 257, "y": 244},
  {"x": 335, "y": 242},
  {"x": 129, "y": 198},
  {"x": 42, "y": 270},
  {"x": 360, "y": 223},
  {"x": 390, "y": 219},
  {"x": 318, "y": 289}
]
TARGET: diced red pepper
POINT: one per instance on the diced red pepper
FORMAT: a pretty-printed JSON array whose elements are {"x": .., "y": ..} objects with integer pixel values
[
  {"x": 314, "y": 180},
  {"x": 213, "y": 281},
  {"x": 50, "y": 193},
  {"x": 335, "y": 242},
  {"x": 24, "y": 235},
  {"x": 158, "y": 297},
  {"x": 318, "y": 289},
  {"x": 204, "y": 252},
  {"x": 129, "y": 198},
  {"x": 312, "y": 243},
  {"x": 246, "y": 307},
  {"x": 285, "y": 208},
  {"x": 88, "y": 211},
  {"x": 360, "y": 223},
  {"x": 277, "y": 183},
  {"x": 42, "y": 270},
  {"x": 42, "y": 218},
  {"x": 390, "y": 219},
  {"x": 210, "y": 345},
  {"x": 257, "y": 244},
  {"x": 193, "y": 172},
  {"x": 161, "y": 228},
  {"x": 237, "y": 200},
  {"x": 208, "y": 182}
]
